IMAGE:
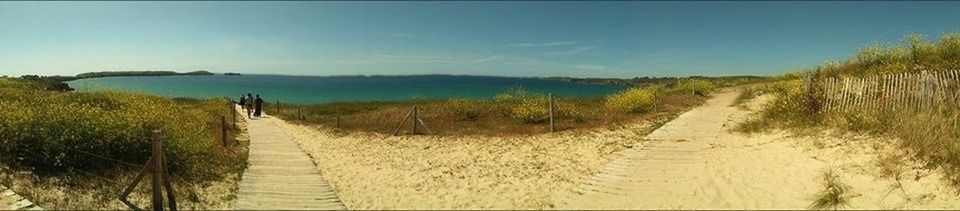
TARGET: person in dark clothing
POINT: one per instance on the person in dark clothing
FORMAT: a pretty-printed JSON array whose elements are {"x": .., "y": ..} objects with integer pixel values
[
  {"x": 248, "y": 104},
  {"x": 242, "y": 98},
  {"x": 258, "y": 106}
]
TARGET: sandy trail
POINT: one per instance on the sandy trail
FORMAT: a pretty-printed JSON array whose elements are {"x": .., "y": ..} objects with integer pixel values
[{"x": 694, "y": 162}]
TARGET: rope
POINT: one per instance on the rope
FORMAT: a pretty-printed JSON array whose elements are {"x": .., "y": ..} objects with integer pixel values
[
  {"x": 47, "y": 157},
  {"x": 108, "y": 158}
]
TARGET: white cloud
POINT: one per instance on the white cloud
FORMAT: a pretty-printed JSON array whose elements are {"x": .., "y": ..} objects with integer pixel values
[
  {"x": 579, "y": 49},
  {"x": 546, "y": 44},
  {"x": 590, "y": 67}
]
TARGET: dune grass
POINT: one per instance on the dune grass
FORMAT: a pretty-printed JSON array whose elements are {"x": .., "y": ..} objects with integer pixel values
[
  {"x": 67, "y": 140},
  {"x": 512, "y": 112},
  {"x": 834, "y": 194},
  {"x": 930, "y": 134}
]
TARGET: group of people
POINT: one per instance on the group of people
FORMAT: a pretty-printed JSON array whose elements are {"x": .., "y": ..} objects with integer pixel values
[{"x": 252, "y": 105}]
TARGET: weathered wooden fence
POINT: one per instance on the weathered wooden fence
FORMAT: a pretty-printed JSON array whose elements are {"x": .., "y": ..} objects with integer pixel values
[{"x": 897, "y": 91}]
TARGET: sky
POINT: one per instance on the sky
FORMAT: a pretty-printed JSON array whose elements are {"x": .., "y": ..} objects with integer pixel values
[{"x": 529, "y": 39}]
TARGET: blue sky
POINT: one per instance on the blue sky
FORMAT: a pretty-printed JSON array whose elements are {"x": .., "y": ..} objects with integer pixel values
[{"x": 584, "y": 39}]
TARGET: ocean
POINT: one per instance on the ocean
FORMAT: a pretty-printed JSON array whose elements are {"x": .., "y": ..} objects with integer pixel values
[{"x": 325, "y": 89}]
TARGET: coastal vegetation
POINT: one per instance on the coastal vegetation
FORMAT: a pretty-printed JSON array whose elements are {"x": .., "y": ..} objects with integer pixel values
[
  {"x": 514, "y": 111},
  {"x": 93, "y": 143},
  {"x": 928, "y": 133}
]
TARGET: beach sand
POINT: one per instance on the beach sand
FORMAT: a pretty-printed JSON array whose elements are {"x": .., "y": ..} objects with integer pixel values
[
  {"x": 774, "y": 170},
  {"x": 426, "y": 172}
]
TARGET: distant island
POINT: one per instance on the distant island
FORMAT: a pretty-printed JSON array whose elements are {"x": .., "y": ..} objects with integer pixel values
[
  {"x": 641, "y": 81},
  {"x": 136, "y": 73},
  {"x": 57, "y": 82}
]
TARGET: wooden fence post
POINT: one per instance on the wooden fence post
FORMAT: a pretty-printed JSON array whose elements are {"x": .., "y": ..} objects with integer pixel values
[
  {"x": 157, "y": 172},
  {"x": 233, "y": 112},
  {"x": 223, "y": 131},
  {"x": 550, "y": 103},
  {"x": 415, "y": 117},
  {"x": 299, "y": 114},
  {"x": 278, "y": 108},
  {"x": 338, "y": 117}
]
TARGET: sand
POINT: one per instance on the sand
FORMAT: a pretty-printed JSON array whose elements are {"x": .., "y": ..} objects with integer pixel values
[
  {"x": 774, "y": 170},
  {"x": 425, "y": 172}
]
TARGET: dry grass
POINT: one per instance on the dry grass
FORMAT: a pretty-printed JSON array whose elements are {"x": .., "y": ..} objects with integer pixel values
[
  {"x": 835, "y": 193},
  {"x": 930, "y": 134},
  {"x": 479, "y": 117}
]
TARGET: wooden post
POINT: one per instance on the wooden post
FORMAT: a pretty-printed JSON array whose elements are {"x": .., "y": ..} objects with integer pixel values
[
  {"x": 299, "y": 114},
  {"x": 223, "y": 131},
  {"x": 157, "y": 172},
  {"x": 278, "y": 108},
  {"x": 400, "y": 124},
  {"x": 550, "y": 102},
  {"x": 171, "y": 199},
  {"x": 233, "y": 112},
  {"x": 338, "y": 117},
  {"x": 415, "y": 117}
]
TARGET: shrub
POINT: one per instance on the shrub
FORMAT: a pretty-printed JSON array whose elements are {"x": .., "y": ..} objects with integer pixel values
[
  {"x": 746, "y": 94},
  {"x": 532, "y": 110},
  {"x": 695, "y": 86},
  {"x": 50, "y": 130},
  {"x": 516, "y": 95},
  {"x": 465, "y": 109},
  {"x": 634, "y": 100}
]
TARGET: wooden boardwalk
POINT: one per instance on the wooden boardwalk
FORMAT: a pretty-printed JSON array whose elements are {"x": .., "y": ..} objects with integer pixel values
[
  {"x": 666, "y": 167},
  {"x": 280, "y": 175}
]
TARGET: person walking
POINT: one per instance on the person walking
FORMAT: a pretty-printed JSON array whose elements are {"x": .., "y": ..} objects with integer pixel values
[
  {"x": 243, "y": 98},
  {"x": 258, "y": 106},
  {"x": 248, "y": 104}
]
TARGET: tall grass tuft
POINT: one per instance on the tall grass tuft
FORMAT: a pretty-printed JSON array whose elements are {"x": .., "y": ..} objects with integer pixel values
[{"x": 834, "y": 195}]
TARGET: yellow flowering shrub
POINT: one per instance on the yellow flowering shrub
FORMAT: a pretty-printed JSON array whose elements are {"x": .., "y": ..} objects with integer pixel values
[
  {"x": 634, "y": 100},
  {"x": 51, "y": 130},
  {"x": 695, "y": 86},
  {"x": 465, "y": 109}
]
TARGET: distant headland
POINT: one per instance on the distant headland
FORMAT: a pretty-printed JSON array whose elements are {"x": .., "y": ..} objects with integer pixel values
[{"x": 57, "y": 82}]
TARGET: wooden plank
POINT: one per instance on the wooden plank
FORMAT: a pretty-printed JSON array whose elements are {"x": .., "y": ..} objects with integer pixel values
[{"x": 280, "y": 175}]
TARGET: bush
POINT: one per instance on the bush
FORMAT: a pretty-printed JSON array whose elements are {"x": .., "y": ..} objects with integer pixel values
[
  {"x": 695, "y": 86},
  {"x": 50, "y": 130},
  {"x": 634, "y": 100},
  {"x": 465, "y": 109},
  {"x": 531, "y": 110},
  {"x": 516, "y": 95}
]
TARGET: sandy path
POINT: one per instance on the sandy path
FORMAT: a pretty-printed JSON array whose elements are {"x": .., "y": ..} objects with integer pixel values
[
  {"x": 693, "y": 162},
  {"x": 452, "y": 172},
  {"x": 280, "y": 175}
]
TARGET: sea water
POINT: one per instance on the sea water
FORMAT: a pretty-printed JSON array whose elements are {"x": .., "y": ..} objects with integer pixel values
[{"x": 323, "y": 89}]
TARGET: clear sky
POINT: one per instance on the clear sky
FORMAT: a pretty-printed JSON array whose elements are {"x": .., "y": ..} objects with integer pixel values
[{"x": 595, "y": 39}]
